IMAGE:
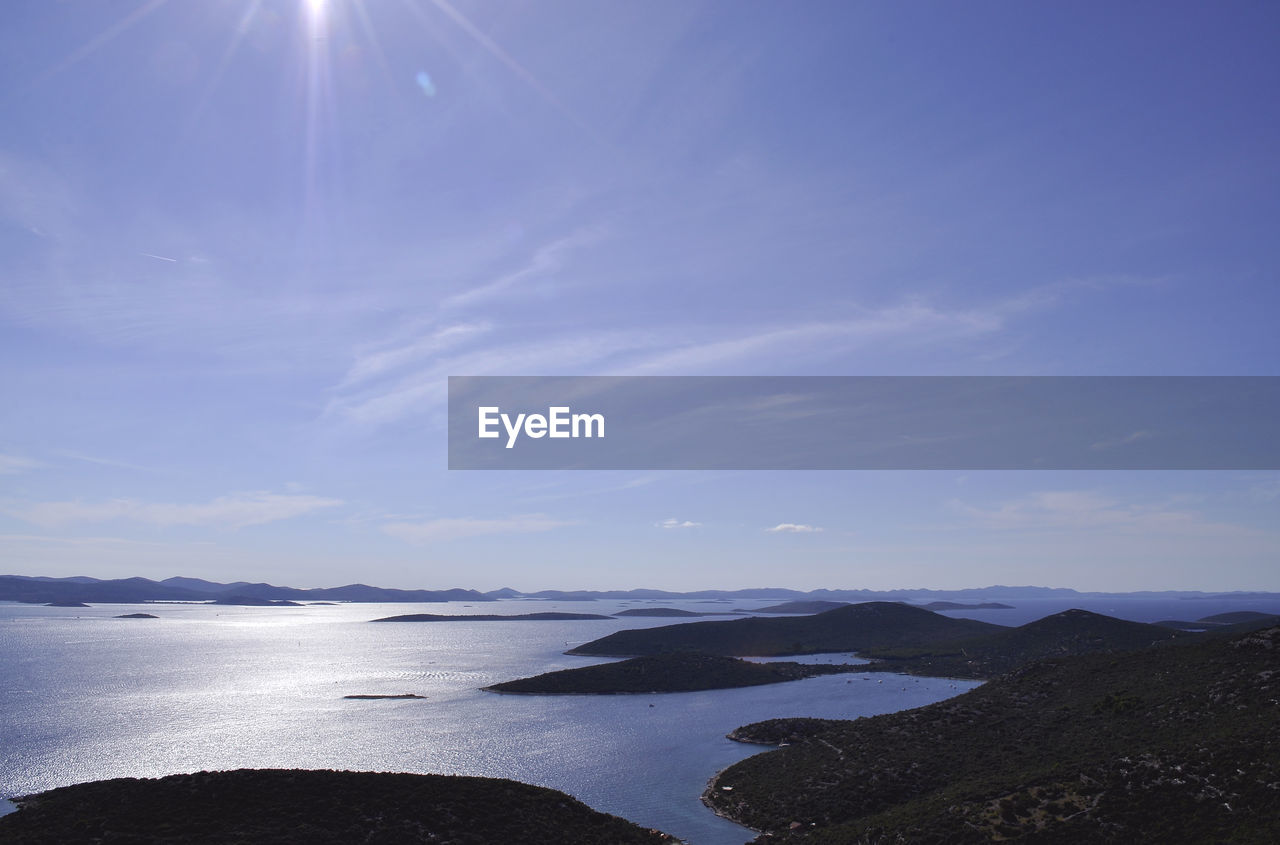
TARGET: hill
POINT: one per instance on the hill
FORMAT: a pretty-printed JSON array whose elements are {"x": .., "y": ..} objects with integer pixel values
[
  {"x": 1070, "y": 632},
  {"x": 40, "y": 590},
  {"x": 254, "y": 601},
  {"x": 1236, "y": 616},
  {"x": 490, "y": 617},
  {"x": 817, "y": 606},
  {"x": 852, "y": 627},
  {"x": 660, "y": 611},
  {"x": 673, "y": 672},
  {"x": 1171, "y": 744},
  {"x": 288, "y": 807}
]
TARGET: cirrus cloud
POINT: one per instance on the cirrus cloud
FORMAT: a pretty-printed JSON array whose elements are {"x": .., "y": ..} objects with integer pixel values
[
  {"x": 237, "y": 510},
  {"x": 793, "y": 528}
]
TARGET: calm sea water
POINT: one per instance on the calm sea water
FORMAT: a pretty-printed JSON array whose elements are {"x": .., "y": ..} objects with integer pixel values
[{"x": 88, "y": 696}]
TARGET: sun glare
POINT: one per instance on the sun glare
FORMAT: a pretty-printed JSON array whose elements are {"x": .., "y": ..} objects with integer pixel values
[{"x": 315, "y": 7}]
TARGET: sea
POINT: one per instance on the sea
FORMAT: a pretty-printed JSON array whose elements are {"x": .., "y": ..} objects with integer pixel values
[{"x": 88, "y": 696}]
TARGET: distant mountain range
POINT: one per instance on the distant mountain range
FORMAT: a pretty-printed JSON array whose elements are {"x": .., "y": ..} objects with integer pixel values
[
  {"x": 43, "y": 589},
  {"x": 38, "y": 590}
]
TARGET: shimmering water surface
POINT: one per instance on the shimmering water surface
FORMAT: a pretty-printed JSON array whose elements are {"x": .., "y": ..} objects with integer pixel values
[{"x": 88, "y": 696}]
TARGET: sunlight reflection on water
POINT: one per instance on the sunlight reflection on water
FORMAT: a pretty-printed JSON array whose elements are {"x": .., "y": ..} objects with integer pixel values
[{"x": 89, "y": 696}]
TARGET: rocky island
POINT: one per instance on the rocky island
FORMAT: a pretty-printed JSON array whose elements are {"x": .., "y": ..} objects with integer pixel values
[
  {"x": 551, "y": 616},
  {"x": 377, "y": 697}
]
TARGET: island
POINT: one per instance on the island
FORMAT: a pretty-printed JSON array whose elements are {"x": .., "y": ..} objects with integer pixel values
[
  {"x": 671, "y": 672},
  {"x": 66, "y": 604},
  {"x": 254, "y": 601},
  {"x": 957, "y": 605},
  {"x": 666, "y": 611},
  {"x": 1238, "y": 619},
  {"x": 550, "y": 616},
  {"x": 375, "y": 697},
  {"x": 848, "y": 628},
  {"x": 814, "y": 606},
  {"x": 304, "y": 807},
  {"x": 137, "y": 616},
  {"x": 1174, "y": 742}
]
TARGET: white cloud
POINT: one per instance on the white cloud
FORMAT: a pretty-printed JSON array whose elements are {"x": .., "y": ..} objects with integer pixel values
[
  {"x": 413, "y": 375},
  {"x": 459, "y": 528},
  {"x": 13, "y": 464},
  {"x": 793, "y": 528},
  {"x": 377, "y": 359},
  {"x": 547, "y": 260},
  {"x": 237, "y": 510},
  {"x": 675, "y": 523}
]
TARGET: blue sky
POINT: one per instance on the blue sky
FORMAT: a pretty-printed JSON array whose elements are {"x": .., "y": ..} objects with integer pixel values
[{"x": 243, "y": 243}]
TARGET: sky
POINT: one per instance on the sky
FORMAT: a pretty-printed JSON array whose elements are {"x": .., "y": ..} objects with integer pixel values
[{"x": 243, "y": 244}]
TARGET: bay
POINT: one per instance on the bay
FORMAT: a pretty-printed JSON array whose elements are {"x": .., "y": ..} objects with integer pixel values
[{"x": 89, "y": 696}]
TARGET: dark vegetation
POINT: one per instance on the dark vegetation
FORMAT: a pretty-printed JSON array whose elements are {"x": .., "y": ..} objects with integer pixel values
[
  {"x": 672, "y": 672},
  {"x": 254, "y": 601},
  {"x": 661, "y": 611},
  {"x": 1068, "y": 633},
  {"x": 1176, "y": 743},
  {"x": 276, "y": 806},
  {"x": 490, "y": 617},
  {"x": 854, "y": 627},
  {"x": 80, "y": 588},
  {"x": 1223, "y": 621},
  {"x": 374, "y": 697},
  {"x": 800, "y": 607}
]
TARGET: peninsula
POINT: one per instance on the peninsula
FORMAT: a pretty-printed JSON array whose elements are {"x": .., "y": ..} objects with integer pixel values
[{"x": 671, "y": 672}]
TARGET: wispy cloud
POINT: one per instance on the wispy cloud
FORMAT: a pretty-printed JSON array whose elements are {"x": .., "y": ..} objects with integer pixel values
[
  {"x": 1106, "y": 445},
  {"x": 237, "y": 510},
  {"x": 676, "y": 523},
  {"x": 545, "y": 261},
  {"x": 1077, "y": 510},
  {"x": 913, "y": 323},
  {"x": 106, "y": 462},
  {"x": 14, "y": 464},
  {"x": 793, "y": 528},
  {"x": 457, "y": 528},
  {"x": 376, "y": 360},
  {"x": 414, "y": 374}
]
